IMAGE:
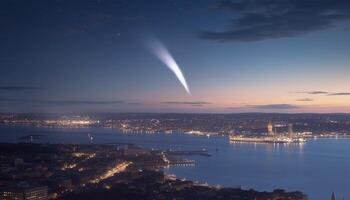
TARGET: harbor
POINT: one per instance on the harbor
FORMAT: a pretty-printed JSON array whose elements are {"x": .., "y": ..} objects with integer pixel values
[{"x": 271, "y": 137}]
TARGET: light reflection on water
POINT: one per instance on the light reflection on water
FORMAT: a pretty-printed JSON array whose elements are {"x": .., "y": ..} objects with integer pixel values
[
  {"x": 316, "y": 167},
  {"x": 272, "y": 147}
]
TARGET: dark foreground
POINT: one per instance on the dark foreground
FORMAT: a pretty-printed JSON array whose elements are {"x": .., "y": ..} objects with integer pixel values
[
  {"x": 152, "y": 185},
  {"x": 39, "y": 171}
]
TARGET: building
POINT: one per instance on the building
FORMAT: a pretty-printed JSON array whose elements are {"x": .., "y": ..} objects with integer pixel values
[
  {"x": 270, "y": 131},
  {"x": 290, "y": 131},
  {"x": 24, "y": 191},
  {"x": 272, "y": 136}
]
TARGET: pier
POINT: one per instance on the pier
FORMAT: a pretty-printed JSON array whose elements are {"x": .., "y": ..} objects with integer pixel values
[
  {"x": 203, "y": 152},
  {"x": 182, "y": 162}
]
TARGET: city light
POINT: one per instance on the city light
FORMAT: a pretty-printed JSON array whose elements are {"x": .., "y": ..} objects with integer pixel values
[{"x": 111, "y": 172}]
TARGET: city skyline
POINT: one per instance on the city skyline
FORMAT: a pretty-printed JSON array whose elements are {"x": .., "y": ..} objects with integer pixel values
[{"x": 90, "y": 56}]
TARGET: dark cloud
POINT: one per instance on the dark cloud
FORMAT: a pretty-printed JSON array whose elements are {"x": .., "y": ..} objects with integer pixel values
[
  {"x": 20, "y": 88},
  {"x": 313, "y": 92},
  {"x": 305, "y": 99},
  {"x": 60, "y": 103},
  {"x": 235, "y": 108},
  {"x": 274, "y": 106},
  {"x": 340, "y": 94},
  {"x": 268, "y": 19},
  {"x": 192, "y": 103}
]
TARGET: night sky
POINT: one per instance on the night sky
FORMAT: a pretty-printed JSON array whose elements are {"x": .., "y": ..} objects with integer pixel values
[{"x": 237, "y": 56}]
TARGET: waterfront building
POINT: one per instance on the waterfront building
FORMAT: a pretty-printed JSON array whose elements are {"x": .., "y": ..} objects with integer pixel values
[
  {"x": 272, "y": 137},
  {"x": 270, "y": 129},
  {"x": 24, "y": 191},
  {"x": 275, "y": 133},
  {"x": 290, "y": 131}
]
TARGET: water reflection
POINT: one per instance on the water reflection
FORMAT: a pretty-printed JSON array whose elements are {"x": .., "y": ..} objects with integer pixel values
[{"x": 271, "y": 147}]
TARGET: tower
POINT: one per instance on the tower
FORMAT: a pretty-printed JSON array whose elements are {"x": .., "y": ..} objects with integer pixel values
[
  {"x": 275, "y": 132},
  {"x": 270, "y": 129},
  {"x": 290, "y": 130}
]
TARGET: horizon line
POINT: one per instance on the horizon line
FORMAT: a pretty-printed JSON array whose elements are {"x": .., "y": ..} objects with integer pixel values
[{"x": 185, "y": 113}]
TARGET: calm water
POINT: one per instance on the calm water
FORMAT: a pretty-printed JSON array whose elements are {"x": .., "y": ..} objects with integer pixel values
[{"x": 317, "y": 167}]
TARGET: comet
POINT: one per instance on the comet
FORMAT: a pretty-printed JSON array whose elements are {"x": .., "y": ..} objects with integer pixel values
[{"x": 162, "y": 53}]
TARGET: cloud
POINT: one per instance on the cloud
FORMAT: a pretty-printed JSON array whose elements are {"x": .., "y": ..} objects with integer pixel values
[
  {"x": 325, "y": 93},
  {"x": 20, "y": 88},
  {"x": 192, "y": 103},
  {"x": 274, "y": 106},
  {"x": 236, "y": 108},
  {"x": 340, "y": 94},
  {"x": 313, "y": 92},
  {"x": 60, "y": 103},
  {"x": 305, "y": 99},
  {"x": 269, "y": 19}
]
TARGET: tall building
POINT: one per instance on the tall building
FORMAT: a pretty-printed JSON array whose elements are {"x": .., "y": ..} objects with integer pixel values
[
  {"x": 270, "y": 129},
  {"x": 290, "y": 130},
  {"x": 275, "y": 132}
]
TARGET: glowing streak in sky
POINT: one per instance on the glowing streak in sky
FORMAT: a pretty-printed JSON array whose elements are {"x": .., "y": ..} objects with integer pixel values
[{"x": 160, "y": 51}]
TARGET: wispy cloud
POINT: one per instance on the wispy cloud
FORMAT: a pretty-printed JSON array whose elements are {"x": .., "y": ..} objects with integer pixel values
[
  {"x": 305, "y": 99},
  {"x": 60, "y": 103},
  {"x": 313, "y": 92},
  {"x": 339, "y": 94},
  {"x": 316, "y": 92},
  {"x": 255, "y": 20},
  {"x": 20, "y": 88},
  {"x": 192, "y": 103},
  {"x": 274, "y": 106}
]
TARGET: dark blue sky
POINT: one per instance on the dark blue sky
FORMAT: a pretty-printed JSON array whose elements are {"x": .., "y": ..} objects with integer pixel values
[{"x": 237, "y": 56}]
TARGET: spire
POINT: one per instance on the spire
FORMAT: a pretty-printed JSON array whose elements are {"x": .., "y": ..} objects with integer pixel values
[{"x": 333, "y": 196}]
